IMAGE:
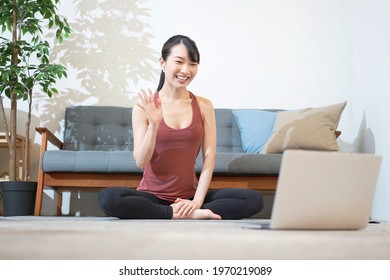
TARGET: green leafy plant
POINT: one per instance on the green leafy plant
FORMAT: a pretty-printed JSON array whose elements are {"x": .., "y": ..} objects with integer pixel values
[{"x": 24, "y": 62}]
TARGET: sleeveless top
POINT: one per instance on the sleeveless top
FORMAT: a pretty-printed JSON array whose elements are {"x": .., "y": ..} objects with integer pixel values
[{"x": 170, "y": 174}]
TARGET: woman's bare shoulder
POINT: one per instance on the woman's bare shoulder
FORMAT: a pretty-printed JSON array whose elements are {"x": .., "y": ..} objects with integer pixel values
[{"x": 205, "y": 103}]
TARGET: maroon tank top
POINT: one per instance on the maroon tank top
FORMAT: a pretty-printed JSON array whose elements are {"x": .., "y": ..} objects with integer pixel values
[{"x": 170, "y": 174}]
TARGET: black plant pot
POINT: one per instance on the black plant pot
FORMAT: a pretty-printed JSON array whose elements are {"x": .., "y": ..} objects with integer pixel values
[{"x": 18, "y": 197}]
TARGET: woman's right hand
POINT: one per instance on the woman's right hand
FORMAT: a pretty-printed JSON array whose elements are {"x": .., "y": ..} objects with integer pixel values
[{"x": 152, "y": 109}]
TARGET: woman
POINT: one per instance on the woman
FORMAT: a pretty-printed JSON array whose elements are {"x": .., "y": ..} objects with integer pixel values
[{"x": 169, "y": 127}]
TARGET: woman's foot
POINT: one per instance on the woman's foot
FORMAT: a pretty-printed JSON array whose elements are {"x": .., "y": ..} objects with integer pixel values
[
  {"x": 198, "y": 214},
  {"x": 205, "y": 214}
]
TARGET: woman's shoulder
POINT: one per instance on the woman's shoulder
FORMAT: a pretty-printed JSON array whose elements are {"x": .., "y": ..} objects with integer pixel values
[
  {"x": 204, "y": 102},
  {"x": 206, "y": 107}
]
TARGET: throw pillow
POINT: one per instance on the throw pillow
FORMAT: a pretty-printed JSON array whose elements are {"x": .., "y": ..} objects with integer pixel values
[
  {"x": 255, "y": 128},
  {"x": 309, "y": 129}
]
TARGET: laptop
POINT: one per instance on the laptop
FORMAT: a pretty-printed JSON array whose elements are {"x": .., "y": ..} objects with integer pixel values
[{"x": 325, "y": 190}]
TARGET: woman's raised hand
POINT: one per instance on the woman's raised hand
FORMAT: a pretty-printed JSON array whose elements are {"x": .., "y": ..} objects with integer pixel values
[{"x": 151, "y": 108}]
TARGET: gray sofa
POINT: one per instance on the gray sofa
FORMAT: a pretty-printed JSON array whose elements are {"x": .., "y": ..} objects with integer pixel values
[{"x": 96, "y": 152}]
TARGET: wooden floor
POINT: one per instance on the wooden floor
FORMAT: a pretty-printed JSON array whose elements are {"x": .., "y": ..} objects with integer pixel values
[{"x": 109, "y": 238}]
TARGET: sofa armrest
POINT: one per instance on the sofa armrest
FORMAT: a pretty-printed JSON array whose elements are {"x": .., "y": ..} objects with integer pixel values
[{"x": 47, "y": 135}]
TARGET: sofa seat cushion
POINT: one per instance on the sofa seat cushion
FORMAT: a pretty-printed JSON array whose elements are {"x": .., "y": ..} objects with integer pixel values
[
  {"x": 123, "y": 162},
  {"x": 89, "y": 161},
  {"x": 244, "y": 164}
]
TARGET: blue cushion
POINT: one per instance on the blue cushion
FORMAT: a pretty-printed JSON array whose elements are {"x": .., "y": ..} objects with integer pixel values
[{"x": 255, "y": 128}]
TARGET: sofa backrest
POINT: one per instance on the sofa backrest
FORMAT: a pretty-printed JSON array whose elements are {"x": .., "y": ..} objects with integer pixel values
[
  {"x": 228, "y": 133},
  {"x": 98, "y": 128},
  {"x": 109, "y": 128}
]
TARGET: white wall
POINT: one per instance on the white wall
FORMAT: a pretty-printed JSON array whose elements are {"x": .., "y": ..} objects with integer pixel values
[{"x": 254, "y": 54}]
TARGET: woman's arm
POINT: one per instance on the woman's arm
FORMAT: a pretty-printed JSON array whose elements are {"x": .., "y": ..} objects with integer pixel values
[
  {"x": 146, "y": 118},
  {"x": 184, "y": 208},
  {"x": 208, "y": 149}
]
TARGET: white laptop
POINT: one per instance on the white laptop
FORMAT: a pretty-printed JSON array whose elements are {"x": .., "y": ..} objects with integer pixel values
[{"x": 325, "y": 190}]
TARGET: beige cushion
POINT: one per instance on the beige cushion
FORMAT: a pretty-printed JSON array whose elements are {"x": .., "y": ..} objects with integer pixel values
[{"x": 309, "y": 129}]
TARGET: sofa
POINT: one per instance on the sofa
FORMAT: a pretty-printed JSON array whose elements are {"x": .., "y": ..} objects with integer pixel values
[{"x": 97, "y": 151}]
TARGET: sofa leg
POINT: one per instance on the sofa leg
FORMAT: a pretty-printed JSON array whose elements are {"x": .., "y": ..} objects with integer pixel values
[
  {"x": 38, "y": 198},
  {"x": 59, "y": 203},
  {"x": 38, "y": 203}
]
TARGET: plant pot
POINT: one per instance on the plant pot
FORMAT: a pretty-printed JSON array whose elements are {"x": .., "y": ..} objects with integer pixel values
[{"x": 18, "y": 198}]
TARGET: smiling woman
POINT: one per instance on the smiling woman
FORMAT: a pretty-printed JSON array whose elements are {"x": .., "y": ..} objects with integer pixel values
[
  {"x": 181, "y": 53},
  {"x": 169, "y": 128}
]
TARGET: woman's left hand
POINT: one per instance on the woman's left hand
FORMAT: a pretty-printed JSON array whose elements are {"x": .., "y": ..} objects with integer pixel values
[{"x": 184, "y": 207}]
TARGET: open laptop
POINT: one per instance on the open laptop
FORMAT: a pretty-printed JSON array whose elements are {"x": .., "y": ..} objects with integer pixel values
[{"x": 324, "y": 190}]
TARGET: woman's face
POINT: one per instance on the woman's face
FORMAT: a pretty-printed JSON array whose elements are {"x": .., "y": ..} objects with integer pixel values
[{"x": 179, "y": 69}]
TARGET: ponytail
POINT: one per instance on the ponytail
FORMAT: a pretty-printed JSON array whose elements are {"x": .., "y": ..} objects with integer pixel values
[{"x": 161, "y": 82}]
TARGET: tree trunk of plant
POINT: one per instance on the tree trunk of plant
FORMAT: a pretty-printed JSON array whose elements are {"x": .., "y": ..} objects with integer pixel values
[
  {"x": 26, "y": 175},
  {"x": 12, "y": 143}
]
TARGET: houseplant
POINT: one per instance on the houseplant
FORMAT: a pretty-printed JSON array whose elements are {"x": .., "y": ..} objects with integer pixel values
[{"x": 24, "y": 64}]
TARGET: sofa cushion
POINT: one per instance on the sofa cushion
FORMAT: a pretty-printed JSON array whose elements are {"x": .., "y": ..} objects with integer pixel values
[
  {"x": 255, "y": 128},
  {"x": 98, "y": 128},
  {"x": 244, "y": 164},
  {"x": 309, "y": 129},
  {"x": 123, "y": 162},
  {"x": 89, "y": 161},
  {"x": 228, "y": 133}
]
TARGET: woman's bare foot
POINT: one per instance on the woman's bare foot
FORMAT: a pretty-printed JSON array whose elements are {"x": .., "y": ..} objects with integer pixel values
[
  {"x": 205, "y": 214},
  {"x": 198, "y": 214}
]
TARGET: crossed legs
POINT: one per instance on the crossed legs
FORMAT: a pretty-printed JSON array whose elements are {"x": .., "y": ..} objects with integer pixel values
[{"x": 229, "y": 203}]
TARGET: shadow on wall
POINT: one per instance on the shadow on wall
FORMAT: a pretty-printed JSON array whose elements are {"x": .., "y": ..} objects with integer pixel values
[
  {"x": 107, "y": 55},
  {"x": 364, "y": 141},
  {"x": 367, "y": 136},
  {"x": 108, "y": 37}
]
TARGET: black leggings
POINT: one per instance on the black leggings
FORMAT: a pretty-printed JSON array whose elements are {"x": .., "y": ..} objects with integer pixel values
[{"x": 127, "y": 203}]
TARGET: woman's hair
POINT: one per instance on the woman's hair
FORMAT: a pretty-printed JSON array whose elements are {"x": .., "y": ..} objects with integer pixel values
[{"x": 166, "y": 51}]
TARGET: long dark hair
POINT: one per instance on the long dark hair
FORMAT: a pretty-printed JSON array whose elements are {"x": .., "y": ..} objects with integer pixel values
[{"x": 166, "y": 51}]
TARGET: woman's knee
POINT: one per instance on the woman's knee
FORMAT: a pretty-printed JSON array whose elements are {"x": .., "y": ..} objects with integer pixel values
[
  {"x": 234, "y": 203},
  {"x": 255, "y": 202},
  {"x": 260, "y": 201},
  {"x": 106, "y": 198}
]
